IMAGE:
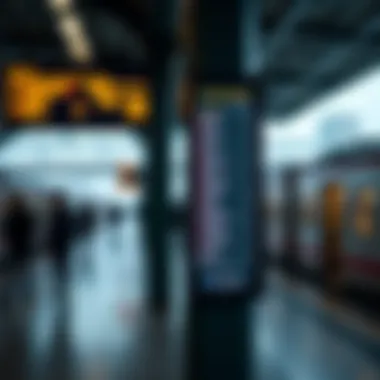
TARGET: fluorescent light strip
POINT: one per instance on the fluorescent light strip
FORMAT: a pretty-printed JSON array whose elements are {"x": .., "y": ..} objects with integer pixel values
[
  {"x": 77, "y": 45},
  {"x": 60, "y": 6},
  {"x": 71, "y": 30}
]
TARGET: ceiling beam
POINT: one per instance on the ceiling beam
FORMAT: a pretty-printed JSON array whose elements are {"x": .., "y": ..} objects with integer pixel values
[
  {"x": 274, "y": 14},
  {"x": 326, "y": 32},
  {"x": 110, "y": 34},
  {"x": 372, "y": 27},
  {"x": 281, "y": 76},
  {"x": 285, "y": 28},
  {"x": 318, "y": 88},
  {"x": 141, "y": 21},
  {"x": 361, "y": 44},
  {"x": 40, "y": 55}
]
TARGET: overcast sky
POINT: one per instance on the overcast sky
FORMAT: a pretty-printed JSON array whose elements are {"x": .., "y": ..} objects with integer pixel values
[{"x": 296, "y": 138}]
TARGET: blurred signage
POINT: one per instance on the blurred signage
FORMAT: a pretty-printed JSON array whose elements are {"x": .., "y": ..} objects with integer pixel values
[
  {"x": 223, "y": 145},
  {"x": 35, "y": 96},
  {"x": 128, "y": 177}
]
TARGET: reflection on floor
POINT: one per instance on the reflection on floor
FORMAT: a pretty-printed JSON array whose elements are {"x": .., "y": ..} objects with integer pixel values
[
  {"x": 105, "y": 332},
  {"x": 296, "y": 339}
]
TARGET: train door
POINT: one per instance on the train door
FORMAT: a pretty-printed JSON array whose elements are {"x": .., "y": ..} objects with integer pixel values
[
  {"x": 333, "y": 203},
  {"x": 289, "y": 222}
]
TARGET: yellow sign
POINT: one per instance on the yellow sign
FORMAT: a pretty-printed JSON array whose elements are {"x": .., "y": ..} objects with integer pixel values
[{"x": 33, "y": 95}]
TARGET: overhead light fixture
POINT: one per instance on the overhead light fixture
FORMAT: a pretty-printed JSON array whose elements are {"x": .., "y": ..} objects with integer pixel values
[
  {"x": 60, "y": 6},
  {"x": 76, "y": 44},
  {"x": 69, "y": 25},
  {"x": 71, "y": 30}
]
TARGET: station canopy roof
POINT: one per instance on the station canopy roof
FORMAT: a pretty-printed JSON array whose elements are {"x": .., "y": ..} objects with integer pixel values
[{"x": 309, "y": 47}]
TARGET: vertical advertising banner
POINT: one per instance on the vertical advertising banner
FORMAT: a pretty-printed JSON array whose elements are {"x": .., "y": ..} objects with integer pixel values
[{"x": 223, "y": 191}]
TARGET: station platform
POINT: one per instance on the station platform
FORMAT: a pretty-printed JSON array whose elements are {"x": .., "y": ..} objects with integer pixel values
[
  {"x": 301, "y": 335},
  {"x": 108, "y": 333}
]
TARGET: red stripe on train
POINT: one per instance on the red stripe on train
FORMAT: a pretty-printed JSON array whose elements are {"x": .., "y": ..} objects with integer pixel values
[
  {"x": 370, "y": 267},
  {"x": 355, "y": 263}
]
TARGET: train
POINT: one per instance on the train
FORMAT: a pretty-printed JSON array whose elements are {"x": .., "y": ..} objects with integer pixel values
[{"x": 327, "y": 220}]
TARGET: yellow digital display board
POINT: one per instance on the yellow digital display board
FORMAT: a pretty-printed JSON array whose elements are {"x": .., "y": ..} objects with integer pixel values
[{"x": 37, "y": 96}]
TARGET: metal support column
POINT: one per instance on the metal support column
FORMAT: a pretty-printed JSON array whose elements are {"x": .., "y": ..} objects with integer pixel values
[
  {"x": 164, "y": 63},
  {"x": 227, "y": 275}
]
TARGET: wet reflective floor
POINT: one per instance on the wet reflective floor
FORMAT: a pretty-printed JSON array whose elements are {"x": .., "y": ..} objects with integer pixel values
[
  {"x": 106, "y": 332},
  {"x": 301, "y": 335},
  {"x": 103, "y": 329}
]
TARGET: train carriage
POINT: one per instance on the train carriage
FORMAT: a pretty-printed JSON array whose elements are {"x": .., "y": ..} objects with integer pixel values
[{"x": 335, "y": 234}]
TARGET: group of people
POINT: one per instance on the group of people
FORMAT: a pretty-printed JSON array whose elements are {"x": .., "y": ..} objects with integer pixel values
[
  {"x": 77, "y": 105},
  {"x": 25, "y": 233}
]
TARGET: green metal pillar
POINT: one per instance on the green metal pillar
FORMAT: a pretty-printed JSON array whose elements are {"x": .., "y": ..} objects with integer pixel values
[
  {"x": 220, "y": 322},
  {"x": 165, "y": 69}
]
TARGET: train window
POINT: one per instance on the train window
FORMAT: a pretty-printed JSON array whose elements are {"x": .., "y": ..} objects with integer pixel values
[
  {"x": 305, "y": 211},
  {"x": 365, "y": 212},
  {"x": 272, "y": 209},
  {"x": 309, "y": 211},
  {"x": 333, "y": 205}
]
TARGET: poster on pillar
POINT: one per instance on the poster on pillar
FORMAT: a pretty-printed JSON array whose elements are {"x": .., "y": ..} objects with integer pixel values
[{"x": 223, "y": 191}]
